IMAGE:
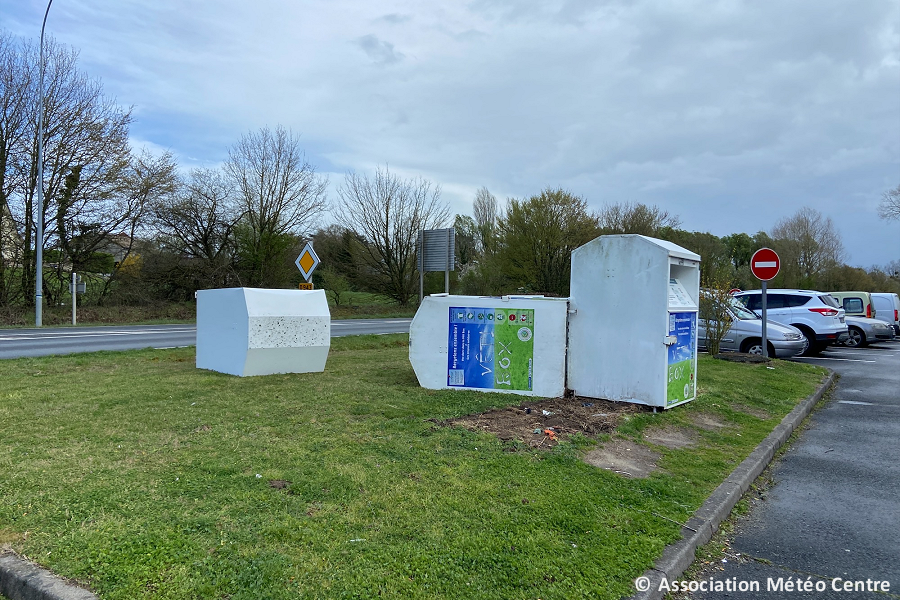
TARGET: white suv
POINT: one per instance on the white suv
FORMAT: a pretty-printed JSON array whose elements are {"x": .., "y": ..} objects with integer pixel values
[{"x": 816, "y": 314}]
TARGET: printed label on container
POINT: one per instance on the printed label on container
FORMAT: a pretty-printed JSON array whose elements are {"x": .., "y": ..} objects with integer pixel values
[
  {"x": 682, "y": 380},
  {"x": 491, "y": 348}
]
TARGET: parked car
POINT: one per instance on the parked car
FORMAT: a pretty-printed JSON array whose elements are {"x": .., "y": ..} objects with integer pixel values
[
  {"x": 745, "y": 334},
  {"x": 816, "y": 314},
  {"x": 887, "y": 309},
  {"x": 855, "y": 304},
  {"x": 862, "y": 332}
]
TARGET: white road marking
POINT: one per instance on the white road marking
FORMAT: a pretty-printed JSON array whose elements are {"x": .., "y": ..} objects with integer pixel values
[
  {"x": 361, "y": 322},
  {"x": 843, "y": 359},
  {"x": 869, "y": 404},
  {"x": 86, "y": 335},
  {"x": 854, "y": 353}
]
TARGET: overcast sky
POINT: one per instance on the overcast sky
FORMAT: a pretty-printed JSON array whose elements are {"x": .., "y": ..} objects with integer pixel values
[{"x": 730, "y": 114}]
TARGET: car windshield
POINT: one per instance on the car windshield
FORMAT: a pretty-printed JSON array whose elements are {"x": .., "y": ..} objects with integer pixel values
[{"x": 740, "y": 311}]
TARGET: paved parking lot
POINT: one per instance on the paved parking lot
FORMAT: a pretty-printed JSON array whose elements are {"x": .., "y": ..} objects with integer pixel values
[{"x": 833, "y": 514}]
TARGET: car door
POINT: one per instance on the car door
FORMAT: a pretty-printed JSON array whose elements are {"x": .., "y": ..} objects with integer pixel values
[{"x": 732, "y": 340}]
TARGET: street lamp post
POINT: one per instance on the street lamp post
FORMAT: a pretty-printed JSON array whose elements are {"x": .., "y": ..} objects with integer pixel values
[{"x": 39, "y": 221}]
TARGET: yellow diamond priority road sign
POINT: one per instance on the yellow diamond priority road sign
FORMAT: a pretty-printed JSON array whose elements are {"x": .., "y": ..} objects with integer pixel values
[{"x": 307, "y": 261}]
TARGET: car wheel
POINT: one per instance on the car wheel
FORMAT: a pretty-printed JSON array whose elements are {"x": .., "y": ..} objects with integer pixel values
[
  {"x": 811, "y": 348},
  {"x": 754, "y": 346},
  {"x": 856, "y": 338}
]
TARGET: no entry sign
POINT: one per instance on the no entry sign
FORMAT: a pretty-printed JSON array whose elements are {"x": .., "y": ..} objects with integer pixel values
[{"x": 765, "y": 264}]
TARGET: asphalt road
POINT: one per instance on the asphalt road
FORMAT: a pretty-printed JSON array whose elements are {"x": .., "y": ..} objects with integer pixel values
[
  {"x": 18, "y": 343},
  {"x": 833, "y": 514}
]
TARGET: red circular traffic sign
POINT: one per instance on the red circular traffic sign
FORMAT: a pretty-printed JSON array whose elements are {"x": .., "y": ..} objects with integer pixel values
[{"x": 765, "y": 264}]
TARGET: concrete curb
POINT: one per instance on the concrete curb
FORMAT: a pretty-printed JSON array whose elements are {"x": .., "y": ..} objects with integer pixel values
[
  {"x": 23, "y": 580},
  {"x": 677, "y": 557}
]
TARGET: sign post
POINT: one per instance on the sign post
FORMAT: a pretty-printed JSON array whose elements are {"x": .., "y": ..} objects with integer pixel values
[
  {"x": 435, "y": 251},
  {"x": 307, "y": 263},
  {"x": 765, "y": 265},
  {"x": 76, "y": 287}
]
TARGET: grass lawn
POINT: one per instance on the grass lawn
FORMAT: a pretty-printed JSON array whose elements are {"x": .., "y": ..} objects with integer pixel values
[
  {"x": 363, "y": 305},
  {"x": 144, "y": 477}
]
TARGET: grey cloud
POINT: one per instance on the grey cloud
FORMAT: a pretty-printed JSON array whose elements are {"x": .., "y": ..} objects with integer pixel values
[
  {"x": 379, "y": 51},
  {"x": 395, "y": 18}
]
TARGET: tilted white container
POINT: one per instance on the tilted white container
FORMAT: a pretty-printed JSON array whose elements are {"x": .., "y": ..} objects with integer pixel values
[
  {"x": 511, "y": 344},
  {"x": 633, "y": 331},
  {"x": 249, "y": 331}
]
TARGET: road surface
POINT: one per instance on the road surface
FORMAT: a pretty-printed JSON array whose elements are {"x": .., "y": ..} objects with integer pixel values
[
  {"x": 18, "y": 343},
  {"x": 832, "y": 517}
]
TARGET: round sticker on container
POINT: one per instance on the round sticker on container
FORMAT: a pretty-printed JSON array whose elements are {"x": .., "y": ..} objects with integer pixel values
[
  {"x": 524, "y": 334},
  {"x": 687, "y": 390}
]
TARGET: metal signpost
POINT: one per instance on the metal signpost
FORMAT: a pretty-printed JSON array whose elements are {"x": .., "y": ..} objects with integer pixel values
[
  {"x": 765, "y": 265},
  {"x": 307, "y": 263},
  {"x": 436, "y": 252},
  {"x": 76, "y": 287}
]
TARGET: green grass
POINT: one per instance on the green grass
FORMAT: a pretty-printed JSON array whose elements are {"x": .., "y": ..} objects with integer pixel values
[
  {"x": 144, "y": 477},
  {"x": 363, "y": 305}
]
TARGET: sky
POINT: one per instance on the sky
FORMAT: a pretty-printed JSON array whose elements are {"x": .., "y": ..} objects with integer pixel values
[{"x": 730, "y": 114}]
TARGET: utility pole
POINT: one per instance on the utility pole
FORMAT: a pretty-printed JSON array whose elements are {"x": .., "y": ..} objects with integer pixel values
[{"x": 39, "y": 221}]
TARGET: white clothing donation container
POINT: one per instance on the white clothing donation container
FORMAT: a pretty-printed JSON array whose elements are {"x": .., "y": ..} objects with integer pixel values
[
  {"x": 513, "y": 344},
  {"x": 249, "y": 331},
  {"x": 633, "y": 334}
]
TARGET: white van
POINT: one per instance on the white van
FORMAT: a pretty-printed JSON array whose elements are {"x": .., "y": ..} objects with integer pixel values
[{"x": 887, "y": 309}]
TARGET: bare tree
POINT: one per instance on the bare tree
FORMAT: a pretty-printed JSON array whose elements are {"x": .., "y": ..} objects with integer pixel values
[
  {"x": 808, "y": 245},
  {"x": 388, "y": 212},
  {"x": 116, "y": 215},
  {"x": 280, "y": 197},
  {"x": 636, "y": 218},
  {"x": 198, "y": 222},
  {"x": 715, "y": 300},
  {"x": 86, "y": 153},
  {"x": 889, "y": 208},
  {"x": 15, "y": 78}
]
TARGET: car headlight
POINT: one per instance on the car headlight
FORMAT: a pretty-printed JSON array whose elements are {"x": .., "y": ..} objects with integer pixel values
[{"x": 791, "y": 336}]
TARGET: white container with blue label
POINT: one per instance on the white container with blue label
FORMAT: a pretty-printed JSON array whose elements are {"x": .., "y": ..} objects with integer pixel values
[{"x": 511, "y": 344}]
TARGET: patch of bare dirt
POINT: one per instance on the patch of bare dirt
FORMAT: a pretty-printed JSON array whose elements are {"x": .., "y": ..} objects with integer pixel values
[
  {"x": 624, "y": 457},
  {"x": 753, "y": 412},
  {"x": 671, "y": 437},
  {"x": 543, "y": 424},
  {"x": 707, "y": 422}
]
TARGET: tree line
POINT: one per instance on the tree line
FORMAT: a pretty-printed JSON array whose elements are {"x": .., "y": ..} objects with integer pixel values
[
  {"x": 527, "y": 246},
  {"x": 142, "y": 230}
]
